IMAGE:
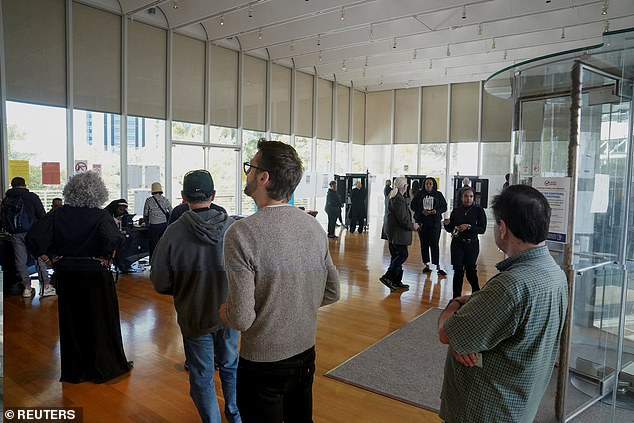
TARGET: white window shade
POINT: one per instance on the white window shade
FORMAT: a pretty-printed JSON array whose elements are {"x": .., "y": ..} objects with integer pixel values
[
  {"x": 188, "y": 79},
  {"x": 343, "y": 112},
  {"x": 324, "y": 109},
  {"x": 96, "y": 59},
  {"x": 464, "y": 112},
  {"x": 378, "y": 127},
  {"x": 147, "y": 70},
  {"x": 35, "y": 51},
  {"x": 497, "y": 118},
  {"x": 358, "y": 118},
  {"x": 304, "y": 104},
  {"x": 406, "y": 116},
  {"x": 224, "y": 87},
  {"x": 254, "y": 94},
  {"x": 280, "y": 99},
  {"x": 434, "y": 112}
]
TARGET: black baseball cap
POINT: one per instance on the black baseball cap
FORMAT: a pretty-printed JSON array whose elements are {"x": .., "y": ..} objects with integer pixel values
[{"x": 198, "y": 182}]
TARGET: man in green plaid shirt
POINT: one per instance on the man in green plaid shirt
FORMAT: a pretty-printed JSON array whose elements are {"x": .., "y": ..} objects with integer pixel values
[{"x": 503, "y": 340}]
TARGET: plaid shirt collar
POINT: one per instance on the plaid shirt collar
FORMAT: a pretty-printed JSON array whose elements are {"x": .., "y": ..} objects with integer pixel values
[{"x": 531, "y": 253}]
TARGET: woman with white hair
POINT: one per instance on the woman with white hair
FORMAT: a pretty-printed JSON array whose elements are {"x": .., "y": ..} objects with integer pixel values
[
  {"x": 397, "y": 229},
  {"x": 79, "y": 240}
]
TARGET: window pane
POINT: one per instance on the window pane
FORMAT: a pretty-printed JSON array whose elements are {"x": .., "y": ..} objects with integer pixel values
[
  {"x": 322, "y": 160},
  {"x": 222, "y": 135},
  {"x": 97, "y": 140},
  {"x": 433, "y": 162},
  {"x": 341, "y": 165},
  {"x": 463, "y": 160},
  {"x": 183, "y": 131},
  {"x": 222, "y": 166},
  {"x": 378, "y": 164},
  {"x": 405, "y": 156},
  {"x": 249, "y": 148},
  {"x": 303, "y": 147},
  {"x": 146, "y": 159},
  {"x": 38, "y": 134},
  {"x": 358, "y": 156},
  {"x": 286, "y": 139},
  {"x": 184, "y": 159}
]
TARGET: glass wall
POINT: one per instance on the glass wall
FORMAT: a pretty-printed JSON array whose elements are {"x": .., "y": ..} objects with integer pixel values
[
  {"x": 183, "y": 131},
  {"x": 184, "y": 159},
  {"x": 249, "y": 148},
  {"x": 341, "y": 165},
  {"x": 286, "y": 139},
  {"x": 433, "y": 162},
  {"x": 222, "y": 166},
  {"x": 463, "y": 160},
  {"x": 37, "y": 148},
  {"x": 223, "y": 135},
  {"x": 378, "y": 164},
  {"x": 405, "y": 158},
  {"x": 358, "y": 158}
]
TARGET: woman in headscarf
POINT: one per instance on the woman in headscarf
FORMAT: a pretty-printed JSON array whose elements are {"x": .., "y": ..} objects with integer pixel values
[
  {"x": 79, "y": 240},
  {"x": 428, "y": 205},
  {"x": 465, "y": 223},
  {"x": 397, "y": 229}
]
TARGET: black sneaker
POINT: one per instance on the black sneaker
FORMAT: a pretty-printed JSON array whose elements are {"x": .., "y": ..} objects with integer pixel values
[
  {"x": 387, "y": 282},
  {"x": 401, "y": 286},
  {"x": 426, "y": 269},
  {"x": 442, "y": 272},
  {"x": 333, "y": 237}
]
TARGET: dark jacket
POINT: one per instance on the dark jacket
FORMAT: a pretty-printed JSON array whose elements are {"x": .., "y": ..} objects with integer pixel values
[
  {"x": 433, "y": 200},
  {"x": 473, "y": 215},
  {"x": 332, "y": 202},
  {"x": 397, "y": 222},
  {"x": 357, "y": 203},
  {"x": 183, "y": 207},
  {"x": 188, "y": 263},
  {"x": 32, "y": 204}
]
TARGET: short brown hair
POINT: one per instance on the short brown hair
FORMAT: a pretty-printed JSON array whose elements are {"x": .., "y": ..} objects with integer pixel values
[{"x": 284, "y": 166}]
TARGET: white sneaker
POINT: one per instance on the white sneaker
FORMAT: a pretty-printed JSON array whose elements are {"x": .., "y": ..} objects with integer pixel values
[
  {"x": 50, "y": 291},
  {"x": 28, "y": 292}
]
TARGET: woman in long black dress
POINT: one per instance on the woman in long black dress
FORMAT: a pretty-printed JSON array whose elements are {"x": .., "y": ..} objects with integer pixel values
[
  {"x": 79, "y": 240},
  {"x": 465, "y": 223}
]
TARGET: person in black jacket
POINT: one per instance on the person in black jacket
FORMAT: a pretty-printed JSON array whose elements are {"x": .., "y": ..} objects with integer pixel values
[
  {"x": 21, "y": 208},
  {"x": 465, "y": 223},
  {"x": 333, "y": 208},
  {"x": 397, "y": 229},
  {"x": 428, "y": 205},
  {"x": 357, "y": 207}
]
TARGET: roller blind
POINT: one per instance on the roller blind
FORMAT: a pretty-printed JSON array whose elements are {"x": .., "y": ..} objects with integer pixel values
[
  {"x": 188, "y": 79},
  {"x": 35, "y": 51},
  {"x": 224, "y": 87},
  {"x": 434, "y": 114},
  {"x": 254, "y": 94},
  {"x": 343, "y": 111},
  {"x": 358, "y": 118},
  {"x": 464, "y": 112},
  {"x": 96, "y": 59},
  {"x": 324, "y": 109},
  {"x": 497, "y": 118},
  {"x": 281, "y": 99},
  {"x": 147, "y": 70},
  {"x": 406, "y": 116},
  {"x": 304, "y": 104},
  {"x": 378, "y": 127}
]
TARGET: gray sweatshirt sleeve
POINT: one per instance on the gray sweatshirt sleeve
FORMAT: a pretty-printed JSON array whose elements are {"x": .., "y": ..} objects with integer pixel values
[
  {"x": 331, "y": 293},
  {"x": 241, "y": 281},
  {"x": 160, "y": 272}
]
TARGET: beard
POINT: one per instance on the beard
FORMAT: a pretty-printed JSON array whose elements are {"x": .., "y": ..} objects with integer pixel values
[{"x": 249, "y": 188}]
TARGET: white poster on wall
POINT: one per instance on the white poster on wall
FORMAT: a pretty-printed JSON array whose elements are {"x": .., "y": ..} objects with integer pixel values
[
  {"x": 557, "y": 192},
  {"x": 135, "y": 176},
  {"x": 152, "y": 174},
  {"x": 601, "y": 193}
]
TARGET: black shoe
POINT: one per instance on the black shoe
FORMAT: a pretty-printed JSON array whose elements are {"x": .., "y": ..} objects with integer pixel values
[
  {"x": 401, "y": 285},
  {"x": 337, "y": 225},
  {"x": 387, "y": 282},
  {"x": 186, "y": 366},
  {"x": 426, "y": 269},
  {"x": 333, "y": 237},
  {"x": 442, "y": 272}
]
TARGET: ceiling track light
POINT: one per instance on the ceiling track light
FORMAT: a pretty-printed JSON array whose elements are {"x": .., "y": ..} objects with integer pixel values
[
  {"x": 318, "y": 39},
  {"x": 563, "y": 33},
  {"x": 320, "y": 57},
  {"x": 371, "y": 30},
  {"x": 343, "y": 66},
  {"x": 505, "y": 54},
  {"x": 343, "y": 14},
  {"x": 222, "y": 20},
  {"x": 606, "y": 27},
  {"x": 250, "y": 10},
  {"x": 604, "y": 9},
  {"x": 366, "y": 62},
  {"x": 364, "y": 72},
  {"x": 175, "y": 5},
  {"x": 292, "y": 46},
  {"x": 448, "y": 52},
  {"x": 394, "y": 43},
  {"x": 493, "y": 44},
  {"x": 414, "y": 55},
  {"x": 464, "y": 12},
  {"x": 260, "y": 33},
  {"x": 406, "y": 84},
  {"x": 431, "y": 65},
  {"x": 479, "y": 29},
  {"x": 445, "y": 71}
]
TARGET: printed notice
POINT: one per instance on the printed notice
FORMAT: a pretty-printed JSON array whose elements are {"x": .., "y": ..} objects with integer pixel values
[
  {"x": 19, "y": 168},
  {"x": 50, "y": 173},
  {"x": 557, "y": 192}
]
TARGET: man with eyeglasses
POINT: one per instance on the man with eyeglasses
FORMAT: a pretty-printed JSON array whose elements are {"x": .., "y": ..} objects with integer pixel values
[
  {"x": 280, "y": 273},
  {"x": 188, "y": 264}
]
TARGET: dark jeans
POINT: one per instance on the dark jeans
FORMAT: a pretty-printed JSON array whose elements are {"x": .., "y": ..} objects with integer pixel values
[
  {"x": 429, "y": 239},
  {"x": 332, "y": 220},
  {"x": 463, "y": 258},
  {"x": 399, "y": 256},
  {"x": 272, "y": 392},
  {"x": 356, "y": 220},
  {"x": 155, "y": 232}
]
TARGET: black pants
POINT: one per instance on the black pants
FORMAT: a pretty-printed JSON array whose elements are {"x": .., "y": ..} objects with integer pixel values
[
  {"x": 356, "y": 220},
  {"x": 155, "y": 232},
  {"x": 429, "y": 240},
  {"x": 463, "y": 258},
  {"x": 399, "y": 256},
  {"x": 332, "y": 220},
  {"x": 272, "y": 392}
]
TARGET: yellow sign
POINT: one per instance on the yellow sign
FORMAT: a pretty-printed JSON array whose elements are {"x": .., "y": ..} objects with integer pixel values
[{"x": 19, "y": 168}]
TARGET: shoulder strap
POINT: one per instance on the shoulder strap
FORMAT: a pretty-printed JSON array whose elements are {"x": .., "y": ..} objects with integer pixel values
[{"x": 159, "y": 206}]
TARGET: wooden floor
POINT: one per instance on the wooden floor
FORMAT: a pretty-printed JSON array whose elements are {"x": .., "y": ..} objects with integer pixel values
[{"x": 157, "y": 388}]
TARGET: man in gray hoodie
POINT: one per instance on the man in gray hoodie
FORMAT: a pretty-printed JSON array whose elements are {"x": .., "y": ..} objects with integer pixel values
[{"x": 188, "y": 263}]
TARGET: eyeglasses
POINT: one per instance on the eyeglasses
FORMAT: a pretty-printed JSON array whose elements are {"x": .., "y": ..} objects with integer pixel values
[{"x": 248, "y": 166}]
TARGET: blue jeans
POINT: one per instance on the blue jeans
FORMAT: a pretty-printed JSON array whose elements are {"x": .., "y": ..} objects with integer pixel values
[{"x": 199, "y": 353}]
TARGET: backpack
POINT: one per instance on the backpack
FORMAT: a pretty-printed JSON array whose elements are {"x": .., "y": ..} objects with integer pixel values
[{"x": 15, "y": 217}]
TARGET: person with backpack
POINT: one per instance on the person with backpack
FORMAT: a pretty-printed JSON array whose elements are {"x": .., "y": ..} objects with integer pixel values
[
  {"x": 156, "y": 214},
  {"x": 20, "y": 210}
]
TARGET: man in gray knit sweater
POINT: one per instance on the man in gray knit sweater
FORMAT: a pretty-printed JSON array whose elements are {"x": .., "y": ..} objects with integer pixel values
[{"x": 279, "y": 272}]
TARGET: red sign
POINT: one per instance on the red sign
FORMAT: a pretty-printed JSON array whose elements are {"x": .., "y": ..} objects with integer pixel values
[{"x": 50, "y": 173}]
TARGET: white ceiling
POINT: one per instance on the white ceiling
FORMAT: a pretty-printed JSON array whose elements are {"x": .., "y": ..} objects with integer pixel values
[{"x": 389, "y": 44}]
